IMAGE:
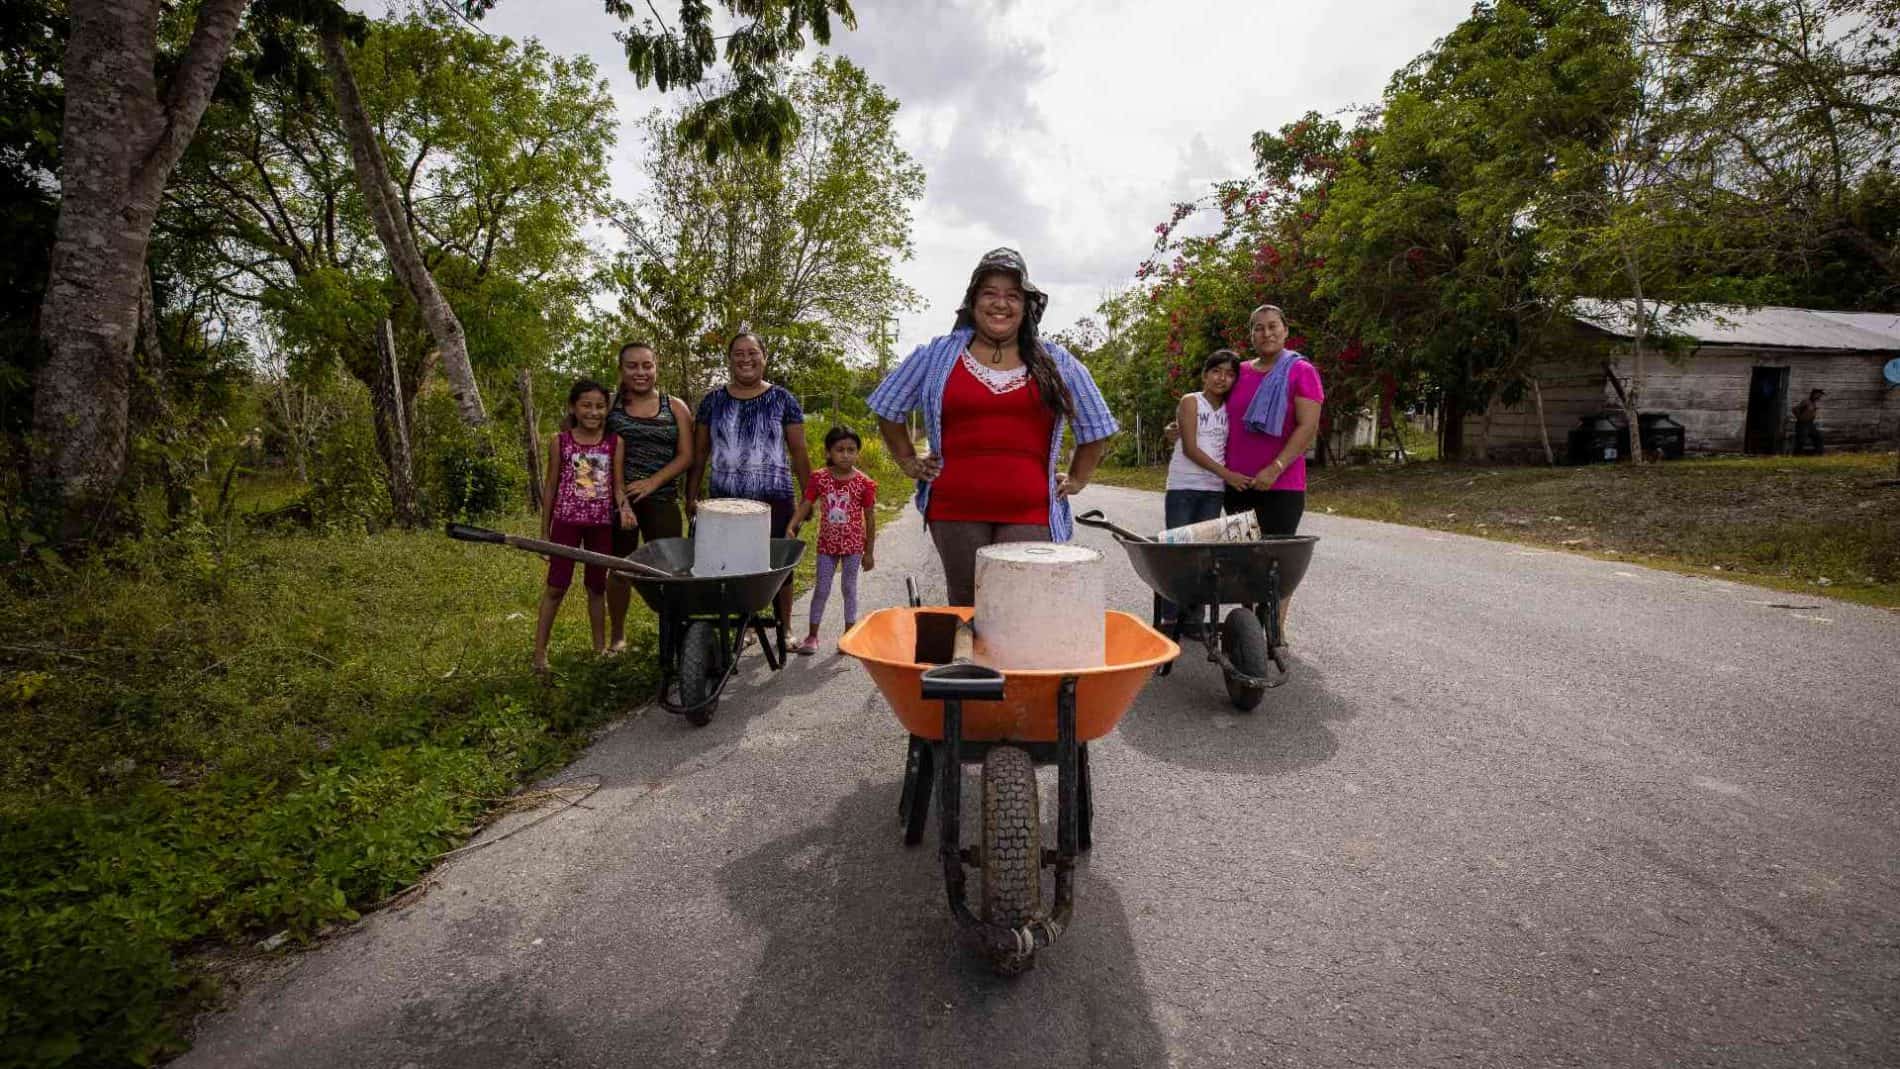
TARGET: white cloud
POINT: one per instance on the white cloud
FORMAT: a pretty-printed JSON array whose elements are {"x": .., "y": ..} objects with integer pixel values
[{"x": 1066, "y": 128}]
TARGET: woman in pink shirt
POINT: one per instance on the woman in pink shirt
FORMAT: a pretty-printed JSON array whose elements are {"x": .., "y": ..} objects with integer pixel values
[{"x": 1272, "y": 417}]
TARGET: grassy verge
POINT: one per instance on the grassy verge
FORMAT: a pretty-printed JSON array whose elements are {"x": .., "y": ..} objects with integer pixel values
[
  {"x": 209, "y": 743},
  {"x": 1800, "y": 524}
]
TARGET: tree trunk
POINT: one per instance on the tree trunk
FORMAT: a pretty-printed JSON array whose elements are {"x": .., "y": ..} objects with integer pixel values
[
  {"x": 119, "y": 142},
  {"x": 392, "y": 227},
  {"x": 1631, "y": 393},
  {"x": 392, "y": 429},
  {"x": 1451, "y": 428},
  {"x": 174, "y": 473},
  {"x": 530, "y": 441},
  {"x": 1543, "y": 428}
]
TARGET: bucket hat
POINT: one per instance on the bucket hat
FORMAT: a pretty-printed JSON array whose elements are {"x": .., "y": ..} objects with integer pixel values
[{"x": 1008, "y": 261}]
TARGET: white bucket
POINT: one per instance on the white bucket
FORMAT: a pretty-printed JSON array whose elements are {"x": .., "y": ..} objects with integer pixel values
[
  {"x": 1240, "y": 527},
  {"x": 1039, "y": 605},
  {"x": 732, "y": 536}
]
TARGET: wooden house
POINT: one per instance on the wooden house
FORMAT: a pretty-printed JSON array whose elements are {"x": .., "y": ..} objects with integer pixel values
[{"x": 1732, "y": 381}]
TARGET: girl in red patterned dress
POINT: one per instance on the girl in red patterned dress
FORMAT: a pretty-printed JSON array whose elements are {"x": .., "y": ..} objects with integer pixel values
[
  {"x": 846, "y": 501},
  {"x": 576, "y": 500}
]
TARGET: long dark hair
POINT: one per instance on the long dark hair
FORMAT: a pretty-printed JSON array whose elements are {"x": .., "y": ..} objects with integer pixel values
[
  {"x": 1042, "y": 366},
  {"x": 580, "y": 389}
]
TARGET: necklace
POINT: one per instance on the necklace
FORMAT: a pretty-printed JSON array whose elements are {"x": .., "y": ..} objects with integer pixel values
[{"x": 996, "y": 353}]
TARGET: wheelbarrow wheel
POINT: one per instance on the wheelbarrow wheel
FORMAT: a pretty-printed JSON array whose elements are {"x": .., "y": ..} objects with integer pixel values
[
  {"x": 1245, "y": 643},
  {"x": 699, "y": 671},
  {"x": 1012, "y": 849}
]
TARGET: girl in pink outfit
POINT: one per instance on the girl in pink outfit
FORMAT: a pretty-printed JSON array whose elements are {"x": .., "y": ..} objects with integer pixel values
[
  {"x": 576, "y": 510},
  {"x": 845, "y": 501}
]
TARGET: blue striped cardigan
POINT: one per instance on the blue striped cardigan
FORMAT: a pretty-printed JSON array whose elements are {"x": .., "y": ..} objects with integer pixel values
[{"x": 918, "y": 383}]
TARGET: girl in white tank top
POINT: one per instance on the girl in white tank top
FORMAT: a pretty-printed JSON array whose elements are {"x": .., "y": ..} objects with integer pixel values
[
  {"x": 1195, "y": 493},
  {"x": 1210, "y": 427}
]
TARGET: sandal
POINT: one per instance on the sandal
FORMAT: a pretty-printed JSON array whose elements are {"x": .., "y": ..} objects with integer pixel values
[{"x": 807, "y": 647}]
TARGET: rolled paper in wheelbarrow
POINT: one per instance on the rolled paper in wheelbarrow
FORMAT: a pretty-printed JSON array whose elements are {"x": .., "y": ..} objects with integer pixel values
[
  {"x": 1240, "y": 527},
  {"x": 1038, "y": 605},
  {"x": 732, "y": 536}
]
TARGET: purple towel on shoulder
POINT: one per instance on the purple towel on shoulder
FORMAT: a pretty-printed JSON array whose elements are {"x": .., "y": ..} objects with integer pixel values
[{"x": 1266, "y": 413}]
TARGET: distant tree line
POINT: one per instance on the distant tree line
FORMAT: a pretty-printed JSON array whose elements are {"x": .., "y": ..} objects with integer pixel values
[{"x": 1428, "y": 249}]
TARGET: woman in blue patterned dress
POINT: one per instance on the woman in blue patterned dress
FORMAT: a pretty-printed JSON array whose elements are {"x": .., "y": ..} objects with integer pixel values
[{"x": 752, "y": 434}]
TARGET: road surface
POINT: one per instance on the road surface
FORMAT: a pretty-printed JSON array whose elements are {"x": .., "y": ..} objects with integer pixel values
[{"x": 1515, "y": 808}]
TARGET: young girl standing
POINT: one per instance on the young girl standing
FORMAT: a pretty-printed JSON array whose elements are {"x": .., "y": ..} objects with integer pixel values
[
  {"x": 846, "y": 501},
  {"x": 1198, "y": 476},
  {"x": 576, "y": 504}
]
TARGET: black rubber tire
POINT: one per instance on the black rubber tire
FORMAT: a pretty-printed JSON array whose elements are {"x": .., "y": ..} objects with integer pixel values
[
  {"x": 699, "y": 670},
  {"x": 1245, "y": 643},
  {"x": 1012, "y": 849}
]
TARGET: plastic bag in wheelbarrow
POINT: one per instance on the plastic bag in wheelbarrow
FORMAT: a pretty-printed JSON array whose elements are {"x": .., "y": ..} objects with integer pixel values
[{"x": 886, "y": 643}]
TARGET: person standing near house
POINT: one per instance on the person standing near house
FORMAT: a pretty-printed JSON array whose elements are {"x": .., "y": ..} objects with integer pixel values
[{"x": 1807, "y": 430}]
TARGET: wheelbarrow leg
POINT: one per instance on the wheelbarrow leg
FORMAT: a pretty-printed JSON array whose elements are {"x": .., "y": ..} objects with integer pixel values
[
  {"x": 949, "y": 812},
  {"x": 1085, "y": 799},
  {"x": 913, "y": 806}
]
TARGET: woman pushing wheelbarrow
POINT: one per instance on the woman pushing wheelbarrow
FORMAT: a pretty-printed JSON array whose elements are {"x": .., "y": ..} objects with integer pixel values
[{"x": 995, "y": 399}]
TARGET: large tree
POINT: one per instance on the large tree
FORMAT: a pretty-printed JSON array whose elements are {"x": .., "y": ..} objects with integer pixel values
[
  {"x": 802, "y": 245},
  {"x": 498, "y": 155},
  {"x": 125, "y": 128}
]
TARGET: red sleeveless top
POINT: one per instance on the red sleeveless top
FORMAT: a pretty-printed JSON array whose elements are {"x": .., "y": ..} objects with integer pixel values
[{"x": 995, "y": 453}]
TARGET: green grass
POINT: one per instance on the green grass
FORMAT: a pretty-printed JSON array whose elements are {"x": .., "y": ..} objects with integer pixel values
[
  {"x": 207, "y": 744},
  {"x": 1806, "y": 524}
]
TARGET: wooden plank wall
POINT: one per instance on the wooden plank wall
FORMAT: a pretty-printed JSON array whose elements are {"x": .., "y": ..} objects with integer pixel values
[
  {"x": 1570, "y": 393},
  {"x": 1707, "y": 392}
]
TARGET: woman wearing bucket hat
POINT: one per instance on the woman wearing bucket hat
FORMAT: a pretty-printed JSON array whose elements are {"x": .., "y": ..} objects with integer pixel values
[{"x": 995, "y": 398}]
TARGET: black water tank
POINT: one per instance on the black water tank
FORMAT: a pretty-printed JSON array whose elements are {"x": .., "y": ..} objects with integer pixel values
[
  {"x": 1662, "y": 434},
  {"x": 1594, "y": 440}
]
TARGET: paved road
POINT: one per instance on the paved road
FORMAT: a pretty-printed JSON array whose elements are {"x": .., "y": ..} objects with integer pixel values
[{"x": 1516, "y": 808}]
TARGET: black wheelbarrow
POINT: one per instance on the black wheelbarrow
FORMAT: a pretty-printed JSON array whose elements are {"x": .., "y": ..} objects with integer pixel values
[
  {"x": 1200, "y": 577},
  {"x": 703, "y": 619}
]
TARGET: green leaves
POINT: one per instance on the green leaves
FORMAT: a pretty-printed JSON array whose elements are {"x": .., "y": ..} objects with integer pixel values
[{"x": 749, "y": 112}]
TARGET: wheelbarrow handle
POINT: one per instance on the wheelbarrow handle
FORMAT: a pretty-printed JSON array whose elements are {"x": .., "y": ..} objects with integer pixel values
[
  {"x": 465, "y": 533},
  {"x": 1094, "y": 518}
]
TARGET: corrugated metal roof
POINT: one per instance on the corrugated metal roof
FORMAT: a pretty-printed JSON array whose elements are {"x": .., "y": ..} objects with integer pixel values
[
  {"x": 1790, "y": 328},
  {"x": 1886, "y": 324}
]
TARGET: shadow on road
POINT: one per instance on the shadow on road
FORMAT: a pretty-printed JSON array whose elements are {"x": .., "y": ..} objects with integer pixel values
[
  {"x": 1185, "y": 719},
  {"x": 862, "y": 966}
]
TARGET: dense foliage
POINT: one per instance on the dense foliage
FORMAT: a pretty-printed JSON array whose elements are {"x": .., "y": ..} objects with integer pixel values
[{"x": 1429, "y": 251}]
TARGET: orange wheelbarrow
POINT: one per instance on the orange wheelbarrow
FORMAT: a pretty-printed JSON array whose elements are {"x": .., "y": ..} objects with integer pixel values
[{"x": 921, "y": 659}]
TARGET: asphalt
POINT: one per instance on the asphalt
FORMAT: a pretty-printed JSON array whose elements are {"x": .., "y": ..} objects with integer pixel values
[{"x": 1514, "y": 808}]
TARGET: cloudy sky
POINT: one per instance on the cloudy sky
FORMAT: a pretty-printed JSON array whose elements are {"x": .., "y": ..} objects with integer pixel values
[{"x": 1065, "y": 128}]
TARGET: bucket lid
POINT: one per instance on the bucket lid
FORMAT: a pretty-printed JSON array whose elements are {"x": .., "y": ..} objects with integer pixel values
[
  {"x": 735, "y": 506},
  {"x": 1051, "y": 553}
]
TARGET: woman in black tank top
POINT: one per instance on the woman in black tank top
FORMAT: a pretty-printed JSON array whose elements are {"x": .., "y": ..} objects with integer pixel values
[{"x": 653, "y": 444}]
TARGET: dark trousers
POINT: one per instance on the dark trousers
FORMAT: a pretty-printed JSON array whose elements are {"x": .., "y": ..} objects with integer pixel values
[
  {"x": 1278, "y": 511},
  {"x": 655, "y": 518},
  {"x": 957, "y": 542},
  {"x": 1807, "y": 437},
  {"x": 1182, "y": 507}
]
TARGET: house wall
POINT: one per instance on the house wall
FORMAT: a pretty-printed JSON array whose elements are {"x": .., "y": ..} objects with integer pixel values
[
  {"x": 1570, "y": 393},
  {"x": 1707, "y": 392}
]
